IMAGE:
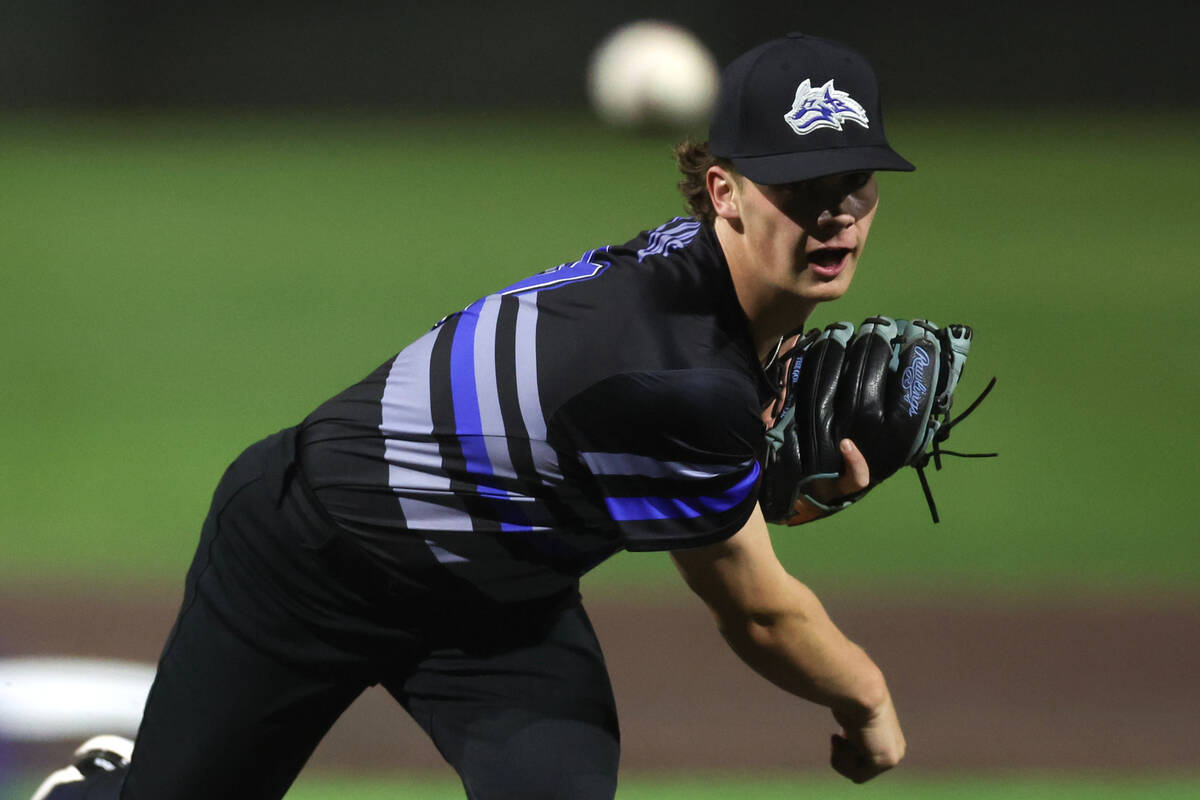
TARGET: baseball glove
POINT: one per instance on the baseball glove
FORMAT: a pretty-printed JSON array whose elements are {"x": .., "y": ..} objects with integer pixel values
[{"x": 888, "y": 388}]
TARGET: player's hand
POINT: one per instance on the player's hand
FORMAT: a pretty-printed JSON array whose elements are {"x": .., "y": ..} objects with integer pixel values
[
  {"x": 855, "y": 477},
  {"x": 868, "y": 748}
]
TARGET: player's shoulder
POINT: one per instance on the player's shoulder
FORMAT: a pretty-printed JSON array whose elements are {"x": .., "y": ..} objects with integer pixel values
[
  {"x": 680, "y": 250},
  {"x": 667, "y": 284},
  {"x": 659, "y": 305}
]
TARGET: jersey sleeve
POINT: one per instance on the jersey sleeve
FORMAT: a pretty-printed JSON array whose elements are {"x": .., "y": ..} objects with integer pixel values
[{"x": 670, "y": 458}]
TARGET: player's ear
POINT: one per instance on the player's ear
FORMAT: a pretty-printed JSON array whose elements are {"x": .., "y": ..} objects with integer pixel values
[{"x": 724, "y": 190}]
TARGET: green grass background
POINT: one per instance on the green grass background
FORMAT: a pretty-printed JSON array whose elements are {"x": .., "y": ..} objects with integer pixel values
[
  {"x": 772, "y": 787},
  {"x": 173, "y": 287},
  {"x": 806, "y": 787}
]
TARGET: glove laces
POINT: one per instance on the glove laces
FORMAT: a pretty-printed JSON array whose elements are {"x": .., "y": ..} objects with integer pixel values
[{"x": 937, "y": 451}]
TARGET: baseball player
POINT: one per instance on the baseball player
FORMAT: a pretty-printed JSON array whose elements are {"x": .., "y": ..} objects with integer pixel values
[{"x": 426, "y": 529}]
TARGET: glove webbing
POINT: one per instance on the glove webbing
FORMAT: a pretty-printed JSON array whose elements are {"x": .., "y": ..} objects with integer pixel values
[{"x": 937, "y": 452}]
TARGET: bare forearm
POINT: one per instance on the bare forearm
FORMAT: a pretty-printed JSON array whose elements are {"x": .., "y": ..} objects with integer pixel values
[
  {"x": 798, "y": 648},
  {"x": 779, "y": 627}
]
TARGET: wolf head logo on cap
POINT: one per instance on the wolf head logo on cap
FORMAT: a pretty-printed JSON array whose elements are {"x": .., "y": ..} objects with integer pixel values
[{"x": 823, "y": 107}]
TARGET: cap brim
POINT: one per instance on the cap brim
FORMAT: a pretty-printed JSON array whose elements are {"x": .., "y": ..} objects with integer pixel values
[{"x": 792, "y": 167}]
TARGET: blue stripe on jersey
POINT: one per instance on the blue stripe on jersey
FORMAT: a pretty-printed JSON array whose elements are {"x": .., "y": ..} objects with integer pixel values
[
  {"x": 462, "y": 385},
  {"x": 465, "y": 393},
  {"x": 627, "y": 509}
]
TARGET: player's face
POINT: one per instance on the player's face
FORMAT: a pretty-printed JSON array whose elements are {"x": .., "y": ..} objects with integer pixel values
[{"x": 806, "y": 238}]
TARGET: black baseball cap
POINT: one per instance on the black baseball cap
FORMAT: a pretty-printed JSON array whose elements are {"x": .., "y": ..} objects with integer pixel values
[{"x": 800, "y": 107}]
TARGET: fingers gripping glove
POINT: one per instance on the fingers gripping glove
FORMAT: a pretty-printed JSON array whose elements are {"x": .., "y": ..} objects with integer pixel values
[{"x": 887, "y": 387}]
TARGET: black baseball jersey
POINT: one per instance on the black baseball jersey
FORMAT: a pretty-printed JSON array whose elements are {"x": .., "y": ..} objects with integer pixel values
[{"x": 605, "y": 404}]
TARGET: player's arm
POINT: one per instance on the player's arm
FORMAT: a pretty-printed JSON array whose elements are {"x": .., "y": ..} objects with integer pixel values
[{"x": 778, "y": 626}]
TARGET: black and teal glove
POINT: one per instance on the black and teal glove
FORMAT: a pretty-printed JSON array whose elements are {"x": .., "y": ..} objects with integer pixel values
[{"x": 887, "y": 387}]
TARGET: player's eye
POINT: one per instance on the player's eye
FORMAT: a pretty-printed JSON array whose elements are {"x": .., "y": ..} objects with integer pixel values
[{"x": 857, "y": 180}]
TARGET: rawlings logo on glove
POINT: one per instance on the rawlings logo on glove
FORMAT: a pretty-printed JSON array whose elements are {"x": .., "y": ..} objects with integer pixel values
[
  {"x": 915, "y": 383},
  {"x": 888, "y": 388}
]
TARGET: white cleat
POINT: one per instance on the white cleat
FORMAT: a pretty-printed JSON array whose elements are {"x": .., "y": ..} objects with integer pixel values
[{"x": 99, "y": 754}]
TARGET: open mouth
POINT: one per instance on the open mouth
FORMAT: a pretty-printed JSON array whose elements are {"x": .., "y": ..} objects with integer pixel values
[{"x": 829, "y": 256}]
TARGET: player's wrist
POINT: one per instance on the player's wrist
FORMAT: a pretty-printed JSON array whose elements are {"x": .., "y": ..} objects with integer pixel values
[{"x": 866, "y": 699}]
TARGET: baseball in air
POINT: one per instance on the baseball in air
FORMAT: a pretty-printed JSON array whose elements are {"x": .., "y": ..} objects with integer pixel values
[{"x": 652, "y": 75}]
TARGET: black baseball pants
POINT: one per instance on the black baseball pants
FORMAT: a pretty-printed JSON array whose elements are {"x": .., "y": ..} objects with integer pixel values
[{"x": 284, "y": 623}]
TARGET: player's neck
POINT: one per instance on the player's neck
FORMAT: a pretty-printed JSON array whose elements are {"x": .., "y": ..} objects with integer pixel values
[{"x": 772, "y": 311}]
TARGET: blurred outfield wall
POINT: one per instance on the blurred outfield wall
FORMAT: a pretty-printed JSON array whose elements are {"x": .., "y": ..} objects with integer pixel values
[{"x": 384, "y": 54}]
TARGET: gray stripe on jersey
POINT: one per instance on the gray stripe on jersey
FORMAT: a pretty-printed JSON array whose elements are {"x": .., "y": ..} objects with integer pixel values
[
  {"x": 422, "y": 468},
  {"x": 443, "y": 555},
  {"x": 491, "y": 422},
  {"x": 424, "y": 515},
  {"x": 414, "y": 462},
  {"x": 529, "y": 398},
  {"x": 646, "y": 467}
]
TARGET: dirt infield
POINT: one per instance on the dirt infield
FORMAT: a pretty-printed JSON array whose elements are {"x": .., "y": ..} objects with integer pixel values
[{"x": 1099, "y": 686}]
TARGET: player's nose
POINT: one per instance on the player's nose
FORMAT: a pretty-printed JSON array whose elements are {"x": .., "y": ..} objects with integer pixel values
[{"x": 835, "y": 216}]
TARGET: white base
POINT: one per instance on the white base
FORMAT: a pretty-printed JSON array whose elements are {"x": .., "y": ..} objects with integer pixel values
[{"x": 49, "y": 699}]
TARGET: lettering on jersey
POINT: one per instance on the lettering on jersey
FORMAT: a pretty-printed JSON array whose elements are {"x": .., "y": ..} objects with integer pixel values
[
  {"x": 584, "y": 269},
  {"x": 672, "y": 235},
  {"x": 914, "y": 383},
  {"x": 823, "y": 107}
]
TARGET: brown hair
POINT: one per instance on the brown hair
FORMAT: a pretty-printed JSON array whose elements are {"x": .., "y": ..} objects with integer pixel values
[{"x": 693, "y": 160}]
